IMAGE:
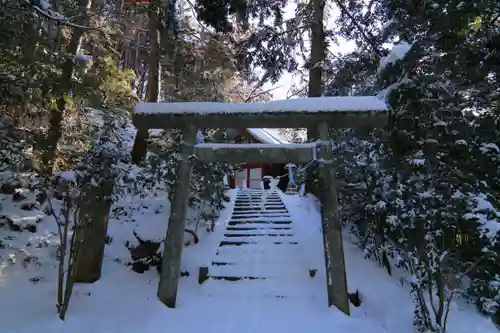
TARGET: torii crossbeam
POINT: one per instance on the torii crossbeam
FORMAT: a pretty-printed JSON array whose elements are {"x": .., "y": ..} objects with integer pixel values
[{"x": 364, "y": 112}]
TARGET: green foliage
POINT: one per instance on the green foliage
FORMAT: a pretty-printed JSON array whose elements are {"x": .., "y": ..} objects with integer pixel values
[
  {"x": 104, "y": 85},
  {"x": 427, "y": 186}
]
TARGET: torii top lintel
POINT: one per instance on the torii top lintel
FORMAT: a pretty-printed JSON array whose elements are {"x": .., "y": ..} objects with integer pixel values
[{"x": 337, "y": 112}]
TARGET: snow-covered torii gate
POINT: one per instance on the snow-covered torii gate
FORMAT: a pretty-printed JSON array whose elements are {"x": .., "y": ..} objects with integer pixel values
[{"x": 323, "y": 112}]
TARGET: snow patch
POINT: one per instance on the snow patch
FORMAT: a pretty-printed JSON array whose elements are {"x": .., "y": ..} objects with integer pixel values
[{"x": 398, "y": 52}]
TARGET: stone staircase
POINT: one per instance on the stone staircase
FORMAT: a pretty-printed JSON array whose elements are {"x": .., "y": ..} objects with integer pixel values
[{"x": 259, "y": 256}]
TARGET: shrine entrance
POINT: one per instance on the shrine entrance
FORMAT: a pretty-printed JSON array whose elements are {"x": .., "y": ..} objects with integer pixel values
[{"x": 322, "y": 113}]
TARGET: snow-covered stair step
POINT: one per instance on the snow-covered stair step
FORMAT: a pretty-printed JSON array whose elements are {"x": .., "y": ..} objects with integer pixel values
[
  {"x": 259, "y": 223},
  {"x": 248, "y": 208},
  {"x": 257, "y": 195},
  {"x": 246, "y": 190},
  {"x": 263, "y": 222},
  {"x": 271, "y": 287},
  {"x": 250, "y": 205},
  {"x": 263, "y": 212},
  {"x": 266, "y": 298},
  {"x": 256, "y": 203},
  {"x": 271, "y": 227},
  {"x": 259, "y": 271},
  {"x": 260, "y": 213},
  {"x": 258, "y": 253},
  {"x": 275, "y": 207},
  {"x": 269, "y": 216},
  {"x": 258, "y": 241},
  {"x": 240, "y": 242},
  {"x": 261, "y": 238},
  {"x": 246, "y": 242},
  {"x": 266, "y": 215},
  {"x": 250, "y": 263},
  {"x": 259, "y": 219},
  {"x": 256, "y": 248},
  {"x": 262, "y": 259},
  {"x": 257, "y": 198},
  {"x": 261, "y": 200},
  {"x": 259, "y": 206},
  {"x": 258, "y": 232},
  {"x": 256, "y": 244},
  {"x": 246, "y": 266},
  {"x": 268, "y": 200},
  {"x": 272, "y": 203}
]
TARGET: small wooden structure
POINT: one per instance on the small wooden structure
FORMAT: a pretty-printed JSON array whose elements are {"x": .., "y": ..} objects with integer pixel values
[
  {"x": 254, "y": 172},
  {"x": 325, "y": 112}
]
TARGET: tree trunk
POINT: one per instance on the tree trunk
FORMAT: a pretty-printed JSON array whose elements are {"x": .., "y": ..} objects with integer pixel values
[
  {"x": 141, "y": 139},
  {"x": 315, "y": 76},
  {"x": 61, "y": 92},
  {"x": 92, "y": 232},
  {"x": 171, "y": 62},
  {"x": 317, "y": 51}
]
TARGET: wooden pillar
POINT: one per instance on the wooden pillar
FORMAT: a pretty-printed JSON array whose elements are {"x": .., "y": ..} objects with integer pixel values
[
  {"x": 171, "y": 259},
  {"x": 332, "y": 234}
]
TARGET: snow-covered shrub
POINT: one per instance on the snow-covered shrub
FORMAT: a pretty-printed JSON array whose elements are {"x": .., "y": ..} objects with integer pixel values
[
  {"x": 79, "y": 200},
  {"x": 423, "y": 190},
  {"x": 207, "y": 183},
  {"x": 157, "y": 176},
  {"x": 143, "y": 255}
]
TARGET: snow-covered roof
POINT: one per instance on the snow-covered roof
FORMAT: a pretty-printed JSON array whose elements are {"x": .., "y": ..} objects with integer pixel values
[
  {"x": 267, "y": 135},
  {"x": 309, "y": 104}
]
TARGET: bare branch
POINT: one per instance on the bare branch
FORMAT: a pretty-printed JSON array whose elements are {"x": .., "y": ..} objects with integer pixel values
[{"x": 370, "y": 41}]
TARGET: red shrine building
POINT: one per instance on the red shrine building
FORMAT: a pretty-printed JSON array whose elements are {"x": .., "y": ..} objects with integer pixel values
[{"x": 252, "y": 173}]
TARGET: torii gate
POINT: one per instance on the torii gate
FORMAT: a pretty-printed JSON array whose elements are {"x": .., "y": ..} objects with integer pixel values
[{"x": 323, "y": 112}]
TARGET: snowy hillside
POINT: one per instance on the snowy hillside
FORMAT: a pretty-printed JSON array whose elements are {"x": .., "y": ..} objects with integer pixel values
[{"x": 125, "y": 301}]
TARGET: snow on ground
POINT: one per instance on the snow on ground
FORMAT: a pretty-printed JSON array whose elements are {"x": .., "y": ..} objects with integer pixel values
[
  {"x": 384, "y": 299},
  {"x": 124, "y": 301}
]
